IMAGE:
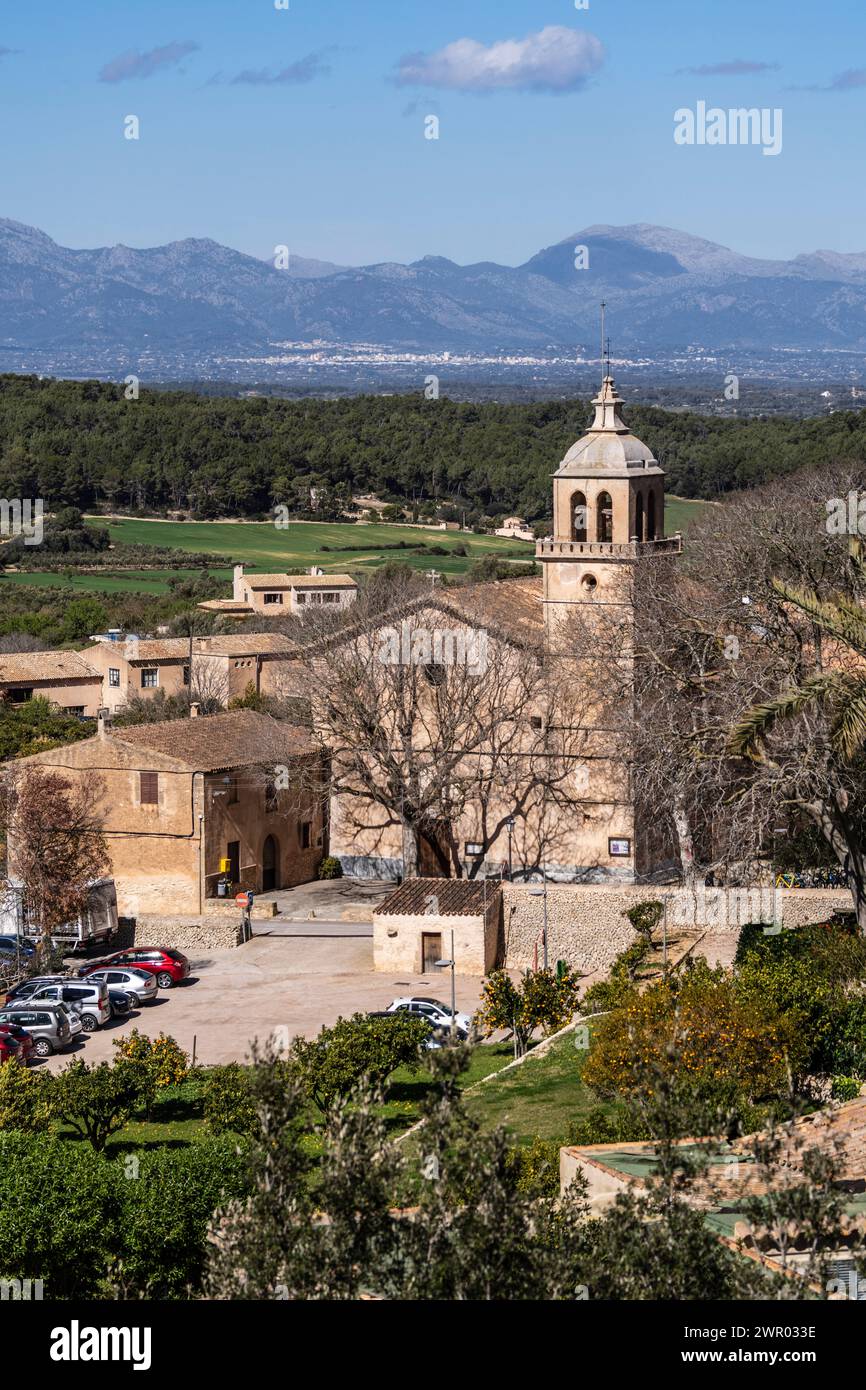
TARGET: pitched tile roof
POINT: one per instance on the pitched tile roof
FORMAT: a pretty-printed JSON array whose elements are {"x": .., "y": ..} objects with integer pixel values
[
  {"x": 300, "y": 581},
  {"x": 455, "y": 897},
  {"x": 236, "y": 738},
  {"x": 177, "y": 648},
  {"x": 512, "y": 607},
  {"x": 23, "y": 667}
]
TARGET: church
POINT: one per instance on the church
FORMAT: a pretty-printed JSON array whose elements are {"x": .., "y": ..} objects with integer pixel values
[{"x": 608, "y": 519}]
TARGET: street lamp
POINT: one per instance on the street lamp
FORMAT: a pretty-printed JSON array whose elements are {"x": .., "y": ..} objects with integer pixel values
[
  {"x": 510, "y": 823},
  {"x": 542, "y": 893},
  {"x": 443, "y": 965}
]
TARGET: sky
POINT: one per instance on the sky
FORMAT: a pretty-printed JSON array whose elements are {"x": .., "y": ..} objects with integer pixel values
[{"x": 305, "y": 126}]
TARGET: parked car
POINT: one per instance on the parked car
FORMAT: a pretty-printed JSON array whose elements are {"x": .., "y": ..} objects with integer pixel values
[
  {"x": 167, "y": 965},
  {"x": 11, "y": 945},
  {"x": 119, "y": 1003},
  {"x": 434, "y": 1011},
  {"x": 140, "y": 985},
  {"x": 46, "y": 1023},
  {"x": 20, "y": 1036},
  {"x": 26, "y": 988},
  {"x": 12, "y": 1049},
  {"x": 89, "y": 1001}
]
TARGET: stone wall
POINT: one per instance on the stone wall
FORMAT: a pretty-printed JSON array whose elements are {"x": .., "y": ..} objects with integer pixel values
[
  {"x": 191, "y": 935},
  {"x": 586, "y": 926}
]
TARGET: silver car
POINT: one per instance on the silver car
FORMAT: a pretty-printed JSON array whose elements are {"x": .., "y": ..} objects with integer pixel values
[
  {"x": 89, "y": 1001},
  {"x": 47, "y": 1024},
  {"x": 140, "y": 985}
]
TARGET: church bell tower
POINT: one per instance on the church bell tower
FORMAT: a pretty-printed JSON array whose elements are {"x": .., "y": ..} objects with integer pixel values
[{"x": 608, "y": 513}]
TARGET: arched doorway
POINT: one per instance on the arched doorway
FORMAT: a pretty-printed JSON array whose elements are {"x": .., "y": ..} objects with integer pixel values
[
  {"x": 270, "y": 865},
  {"x": 651, "y": 518},
  {"x": 578, "y": 517},
  {"x": 604, "y": 514},
  {"x": 638, "y": 516}
]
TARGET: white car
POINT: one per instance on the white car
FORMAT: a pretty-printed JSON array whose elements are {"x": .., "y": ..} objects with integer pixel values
[{"x": 434, "y": 1011}]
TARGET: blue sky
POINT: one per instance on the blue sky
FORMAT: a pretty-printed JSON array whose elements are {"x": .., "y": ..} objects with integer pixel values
[{"x": 305, "y": 127}]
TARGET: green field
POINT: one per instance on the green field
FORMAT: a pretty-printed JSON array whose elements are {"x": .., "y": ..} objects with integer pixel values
[{"x": 263, "y": 547}]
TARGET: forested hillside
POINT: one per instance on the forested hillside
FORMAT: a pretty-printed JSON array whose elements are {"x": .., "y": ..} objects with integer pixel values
[{"x": 84, "y": 444}]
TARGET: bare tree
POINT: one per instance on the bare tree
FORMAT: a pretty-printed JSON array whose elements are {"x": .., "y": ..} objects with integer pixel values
[
  {"x": 432, "y": 725},
  {"x": 56, "y": 842}
]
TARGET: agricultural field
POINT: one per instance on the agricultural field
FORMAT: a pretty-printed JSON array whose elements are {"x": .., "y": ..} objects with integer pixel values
[{"x": 334, "y": 547}]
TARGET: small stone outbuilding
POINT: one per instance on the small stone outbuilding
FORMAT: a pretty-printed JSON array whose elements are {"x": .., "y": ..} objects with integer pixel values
[{"x": 412, "y": 927}]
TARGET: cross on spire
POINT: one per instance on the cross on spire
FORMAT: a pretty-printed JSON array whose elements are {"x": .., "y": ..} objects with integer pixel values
[{"x": 603, "y": 308}]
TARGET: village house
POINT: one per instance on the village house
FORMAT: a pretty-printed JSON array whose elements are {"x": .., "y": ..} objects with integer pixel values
[
  {"x": 232, "y": 799},
  {"x": 68, "y": 679},
  {"x": 276, "y": 595},
  {"x": 223, "y": 667}
]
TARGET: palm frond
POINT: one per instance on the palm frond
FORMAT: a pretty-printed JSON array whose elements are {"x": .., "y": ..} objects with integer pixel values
[
  {"x": 845, "y": 621},
  {"x": 849, "y": 731},
  {"x": 757, "y": 723}
]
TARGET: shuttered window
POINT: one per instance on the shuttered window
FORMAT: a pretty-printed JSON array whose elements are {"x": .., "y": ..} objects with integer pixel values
[{"x": 148, "y": 791}]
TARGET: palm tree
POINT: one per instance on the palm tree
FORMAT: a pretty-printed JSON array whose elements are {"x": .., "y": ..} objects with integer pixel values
[{"x": 838, "y": 696}]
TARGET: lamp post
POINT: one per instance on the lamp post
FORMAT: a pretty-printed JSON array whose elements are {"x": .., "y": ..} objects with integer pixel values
[
  {"x": 542, "y": 893},
  {"x": 442, "y": 965},
  {"x": 510, "y": 826}
]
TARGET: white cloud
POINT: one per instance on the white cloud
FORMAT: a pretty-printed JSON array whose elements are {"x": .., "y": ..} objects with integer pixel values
[{"x": 554, "y": 60}]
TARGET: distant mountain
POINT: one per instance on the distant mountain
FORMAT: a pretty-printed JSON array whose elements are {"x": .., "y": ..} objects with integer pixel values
[{"x": 666, "y": 290}]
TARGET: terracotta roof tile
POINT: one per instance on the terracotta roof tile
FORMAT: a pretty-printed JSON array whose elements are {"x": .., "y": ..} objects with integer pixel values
[
  {"x": 236, "y": 738},
  {"x": 455, "y": 897},
  {"x": 300, "y": 581},
  {"x": 22, "y": 667}
]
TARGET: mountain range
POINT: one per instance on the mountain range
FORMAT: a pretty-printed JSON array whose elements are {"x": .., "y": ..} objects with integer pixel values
[{"x": 667, "y": 291}]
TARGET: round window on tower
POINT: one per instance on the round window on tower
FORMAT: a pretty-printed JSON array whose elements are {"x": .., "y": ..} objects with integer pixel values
[{"x": 590, "y": 583}]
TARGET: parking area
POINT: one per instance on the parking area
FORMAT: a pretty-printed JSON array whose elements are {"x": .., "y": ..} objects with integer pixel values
[{"x": 287, "y": 985}]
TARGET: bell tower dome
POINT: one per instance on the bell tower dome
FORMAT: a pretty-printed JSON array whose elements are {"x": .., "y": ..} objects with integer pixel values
[{"x": 608, "y": 513}]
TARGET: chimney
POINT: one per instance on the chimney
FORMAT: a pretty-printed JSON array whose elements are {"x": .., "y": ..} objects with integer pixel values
[
  {"x": 194, "y": 710},
  {"x": 238, "y": 584},
  {"x": 103, "y": 721}
]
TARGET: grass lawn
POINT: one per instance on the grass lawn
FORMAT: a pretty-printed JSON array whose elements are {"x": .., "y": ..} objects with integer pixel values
[
  {"x": 177, "y": 1115},
  {"x": 543, "y": 1097}
]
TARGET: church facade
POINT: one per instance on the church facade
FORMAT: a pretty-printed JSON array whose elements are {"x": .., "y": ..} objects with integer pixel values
[{"x": 608, "y": 519}]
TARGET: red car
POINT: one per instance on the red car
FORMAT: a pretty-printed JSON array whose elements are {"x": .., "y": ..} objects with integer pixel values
[
  {"x": 15, "y": 1043},
  {"x": 169, "y": 966}
]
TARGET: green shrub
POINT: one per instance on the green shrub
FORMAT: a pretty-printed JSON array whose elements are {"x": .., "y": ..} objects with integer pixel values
[
  {"x": 356, "y": 1049},
  {"x": 330, "y": 867},
  {"x": 846, "y": 1087},
  {"x": 228, "y": 1100},
  {"x": 168, "y": 1197},
  {"x": 24, "y": 1099},
  {"x": 602, "y": 1126},
  {"x": 537, "y": 1166},
  {"x": 612, "y": 993},
  {"x": 61, "y": 1222}
]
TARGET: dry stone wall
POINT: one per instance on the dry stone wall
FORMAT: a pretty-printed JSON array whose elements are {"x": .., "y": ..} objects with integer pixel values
[{"x": 587, "y": 928}]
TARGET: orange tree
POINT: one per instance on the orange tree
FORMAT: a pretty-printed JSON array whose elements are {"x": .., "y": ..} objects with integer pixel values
[
  {"x": 720, "y": 1043},
  {"x": 542, "y": 1000}
]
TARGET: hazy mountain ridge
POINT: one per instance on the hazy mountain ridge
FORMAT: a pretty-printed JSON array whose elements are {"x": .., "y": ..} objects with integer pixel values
[{"x": 665, "y": 289}]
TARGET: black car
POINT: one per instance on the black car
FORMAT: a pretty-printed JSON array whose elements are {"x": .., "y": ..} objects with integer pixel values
[{"x": 120, "y": 1003}]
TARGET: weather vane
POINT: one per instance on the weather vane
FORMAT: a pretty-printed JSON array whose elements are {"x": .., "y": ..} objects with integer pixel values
[{"x": 603, "y": 307}]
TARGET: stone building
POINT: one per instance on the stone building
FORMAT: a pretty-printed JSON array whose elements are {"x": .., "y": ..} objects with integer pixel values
[
  {"x": 190, "y": 802},
  {"x": 223, "y": 667},
  {"x": 609, "y": 517},
  {"x": 276, "y": 595},
  {"x": 412, "y": 928},
  {"x": 69, "y": 680}
]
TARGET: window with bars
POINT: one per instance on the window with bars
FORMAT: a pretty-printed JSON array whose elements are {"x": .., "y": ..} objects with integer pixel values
[{"x": 148, "y": 788}]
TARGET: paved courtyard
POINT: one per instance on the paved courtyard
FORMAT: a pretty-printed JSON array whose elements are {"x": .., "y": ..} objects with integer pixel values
[{"x": 286, "y": 983}]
